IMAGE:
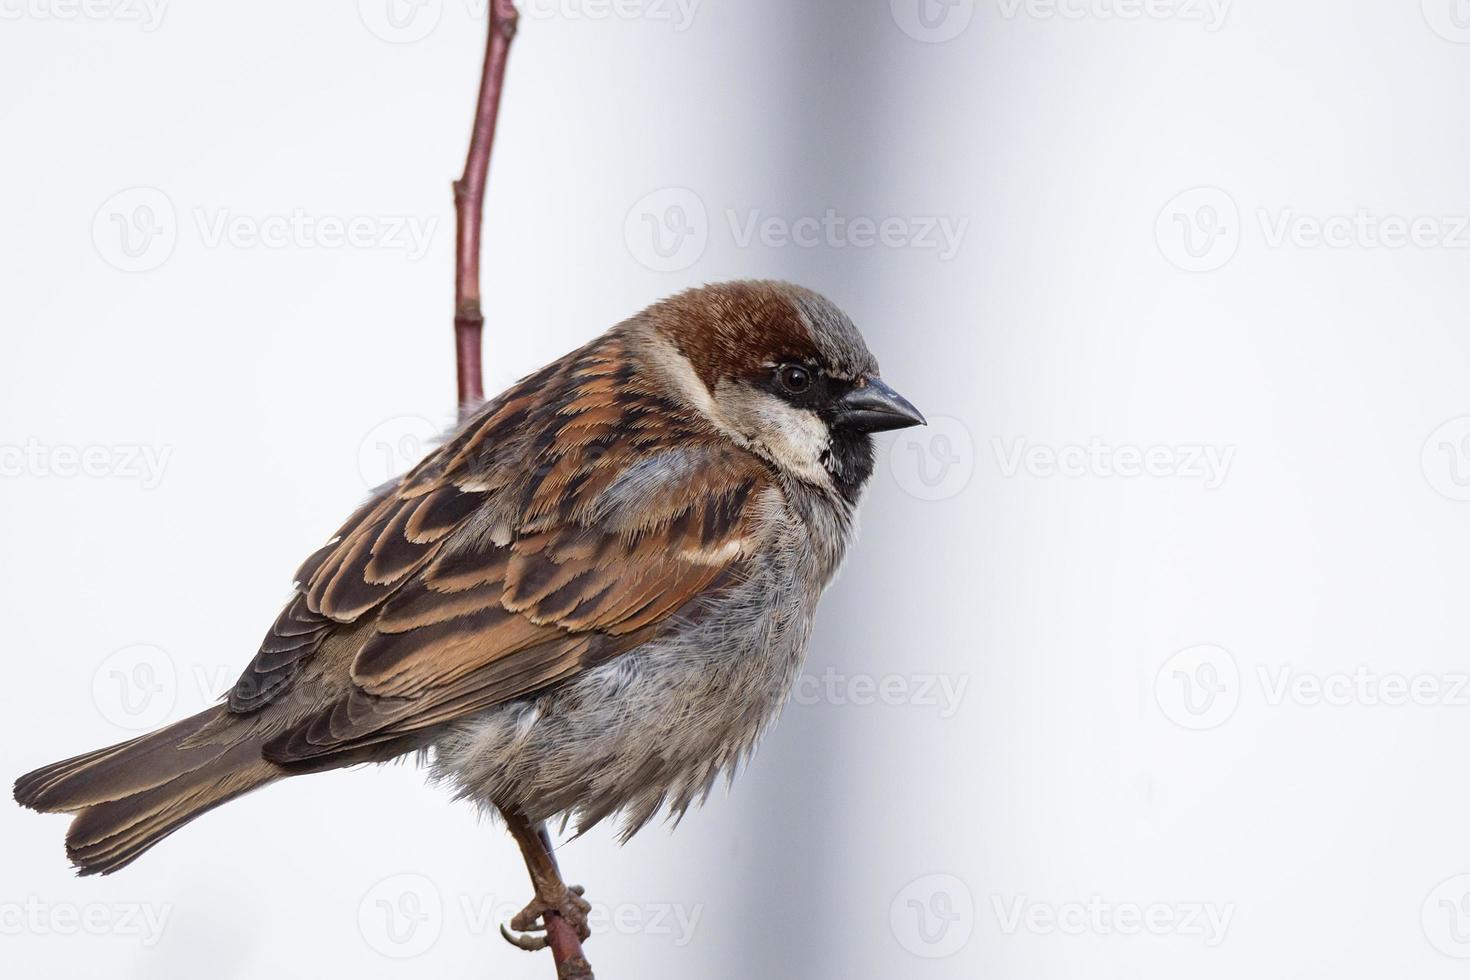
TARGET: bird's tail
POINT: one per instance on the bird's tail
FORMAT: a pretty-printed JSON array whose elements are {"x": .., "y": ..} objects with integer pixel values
[{"x": 128, "y": 797}]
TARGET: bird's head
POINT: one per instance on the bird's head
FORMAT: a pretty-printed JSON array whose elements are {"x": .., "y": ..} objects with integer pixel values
[{"x": 781, "y": 370}]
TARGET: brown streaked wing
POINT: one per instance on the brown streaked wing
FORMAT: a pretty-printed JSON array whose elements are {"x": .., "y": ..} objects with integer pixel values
[
  {"x": 382, "y": 545},
  {"x": 477, "y": 629}
]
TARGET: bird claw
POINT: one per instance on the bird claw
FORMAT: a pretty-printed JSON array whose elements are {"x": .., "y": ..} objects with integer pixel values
[
  {"x": 530, "y": 942},
  {"x": 530, "y": 922}
]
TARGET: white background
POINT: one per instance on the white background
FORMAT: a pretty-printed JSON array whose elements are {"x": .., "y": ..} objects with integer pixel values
[{"x": 1133, "y": 743}]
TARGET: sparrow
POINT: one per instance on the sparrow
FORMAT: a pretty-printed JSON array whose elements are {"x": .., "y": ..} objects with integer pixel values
[{"x": 589, "y": 600}]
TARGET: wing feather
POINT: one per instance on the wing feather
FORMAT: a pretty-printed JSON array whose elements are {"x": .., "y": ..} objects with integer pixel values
[{"x": 569, "y": 522}]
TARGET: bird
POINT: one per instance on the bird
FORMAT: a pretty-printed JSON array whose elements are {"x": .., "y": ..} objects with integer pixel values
[{"x": 588, "y": 601}]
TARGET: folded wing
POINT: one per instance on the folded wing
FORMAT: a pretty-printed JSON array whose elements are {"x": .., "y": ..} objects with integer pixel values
[{"x": 570, "y": 522}]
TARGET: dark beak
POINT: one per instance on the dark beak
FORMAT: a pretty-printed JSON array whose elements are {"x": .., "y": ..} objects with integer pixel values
[{"x": 875, "y": 407}]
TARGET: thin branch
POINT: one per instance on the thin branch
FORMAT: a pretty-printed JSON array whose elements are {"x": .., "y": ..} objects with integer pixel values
[
  {"x": 469, "y": 322},
  {"x": 566, "y": 948},
  {"x": 561, "y": 935},
  {"x": 469, "y": 208}
]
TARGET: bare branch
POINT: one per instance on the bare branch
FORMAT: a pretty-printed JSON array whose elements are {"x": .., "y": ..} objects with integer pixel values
[
  {"x": 469, "y": 321},
  {"x": 469, "y": 208},
  {"x": 561, "y": 935}
]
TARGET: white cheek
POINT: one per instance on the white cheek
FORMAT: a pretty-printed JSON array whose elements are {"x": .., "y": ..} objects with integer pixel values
[
  {"x": 794, "y": 438},
  {"x": 797, "y": 434}
]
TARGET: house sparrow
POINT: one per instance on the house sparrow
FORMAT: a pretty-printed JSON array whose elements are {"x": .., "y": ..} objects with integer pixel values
[{"x": 591, "y": 599}]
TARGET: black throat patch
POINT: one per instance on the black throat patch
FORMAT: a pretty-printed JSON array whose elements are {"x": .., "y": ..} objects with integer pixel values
[{"x": 849, "y": 458}]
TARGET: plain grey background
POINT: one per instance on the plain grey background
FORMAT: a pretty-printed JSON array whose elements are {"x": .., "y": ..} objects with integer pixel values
[{"x": 1151, "y": 660}]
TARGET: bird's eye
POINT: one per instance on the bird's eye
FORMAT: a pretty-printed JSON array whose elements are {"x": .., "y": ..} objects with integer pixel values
[{"x": 795, "y": 379}]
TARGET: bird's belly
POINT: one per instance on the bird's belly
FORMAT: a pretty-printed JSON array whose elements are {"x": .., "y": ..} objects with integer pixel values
[{"x": 652, "y": 728}]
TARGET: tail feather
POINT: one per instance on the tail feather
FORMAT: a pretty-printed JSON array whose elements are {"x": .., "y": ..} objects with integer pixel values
[
  {"x": 121, "y": 770},
  {"x": 108, "y": 836},
  {"x": 129, "y": 797}
]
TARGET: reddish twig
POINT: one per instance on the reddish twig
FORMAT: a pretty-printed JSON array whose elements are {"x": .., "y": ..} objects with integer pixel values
[
  {"x": 469, "y": 322},
  {"x": 566, "y": 948},
  {"x": 469, "y": 208},
  {"x": 546, "y": 880}
]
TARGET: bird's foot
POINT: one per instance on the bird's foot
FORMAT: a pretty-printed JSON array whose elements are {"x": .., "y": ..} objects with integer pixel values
[{"x": 530, "y": 922}]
